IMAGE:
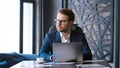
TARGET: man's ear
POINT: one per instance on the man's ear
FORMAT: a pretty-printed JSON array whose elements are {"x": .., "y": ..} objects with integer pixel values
[{"x": 71, "y": 23}]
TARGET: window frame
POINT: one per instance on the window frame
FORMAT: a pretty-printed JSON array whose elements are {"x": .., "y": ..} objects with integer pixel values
[
  {"x": 117, "y": 34},
  {"x": 21, "y": 24}
]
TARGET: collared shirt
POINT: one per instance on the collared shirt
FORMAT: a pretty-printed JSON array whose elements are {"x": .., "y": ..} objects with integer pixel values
[{"x": 63, "y": 40}]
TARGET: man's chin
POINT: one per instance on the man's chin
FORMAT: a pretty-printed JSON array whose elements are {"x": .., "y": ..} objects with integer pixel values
[{"x": 60, "y": 30}]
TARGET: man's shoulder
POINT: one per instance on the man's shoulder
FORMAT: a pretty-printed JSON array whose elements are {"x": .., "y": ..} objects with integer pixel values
[
  {"x": 52, "y": 33},
  {"x": 76, "y": 32}
]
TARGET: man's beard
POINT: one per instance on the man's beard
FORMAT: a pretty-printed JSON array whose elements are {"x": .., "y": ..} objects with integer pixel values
[{"x": 63, "y": 30}]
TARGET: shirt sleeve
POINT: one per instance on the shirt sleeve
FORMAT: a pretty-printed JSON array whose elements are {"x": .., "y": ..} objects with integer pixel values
[{"x": 45, "y": 51}]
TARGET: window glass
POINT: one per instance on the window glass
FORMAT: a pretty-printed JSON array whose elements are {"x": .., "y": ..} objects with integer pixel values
[
  {"x": 9, "y": 25},
  {"x": 27, "y": 27}
]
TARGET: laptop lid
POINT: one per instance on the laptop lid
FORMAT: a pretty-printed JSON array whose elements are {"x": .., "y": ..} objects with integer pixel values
[{"x": 67, "y": 52}]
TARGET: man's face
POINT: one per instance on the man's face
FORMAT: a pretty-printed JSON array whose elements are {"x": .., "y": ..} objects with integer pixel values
[{"x": 63, "y": 23}]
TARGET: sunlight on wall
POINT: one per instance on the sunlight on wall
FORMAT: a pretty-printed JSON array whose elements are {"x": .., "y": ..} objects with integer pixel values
[{"x": 9, "y": 25}]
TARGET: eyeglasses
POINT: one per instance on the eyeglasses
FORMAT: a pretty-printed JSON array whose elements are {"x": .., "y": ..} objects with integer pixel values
[{"x": 60, "y": 21}]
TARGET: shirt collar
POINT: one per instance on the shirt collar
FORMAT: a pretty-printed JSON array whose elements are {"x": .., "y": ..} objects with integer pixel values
[{"x": 63, "y": 40}]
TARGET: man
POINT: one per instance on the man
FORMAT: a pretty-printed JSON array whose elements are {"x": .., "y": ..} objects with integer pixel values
[{"x": 64, "y": 34}]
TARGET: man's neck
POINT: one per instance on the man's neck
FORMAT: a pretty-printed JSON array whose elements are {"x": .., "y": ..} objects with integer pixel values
[{"x": 65, "y": 34}]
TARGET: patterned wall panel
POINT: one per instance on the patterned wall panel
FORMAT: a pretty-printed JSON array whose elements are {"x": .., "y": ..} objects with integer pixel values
[{"x": 95, "y": 17}]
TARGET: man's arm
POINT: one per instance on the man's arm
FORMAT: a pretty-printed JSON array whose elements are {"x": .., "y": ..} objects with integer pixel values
[
  {"x": 86, "y": 49},
  {"x": 46, "y": 49}
]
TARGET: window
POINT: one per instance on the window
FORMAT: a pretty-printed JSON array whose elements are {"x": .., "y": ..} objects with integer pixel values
[
  {"x": 9, "y": 26},
  {"x": 27, "y": 26}
]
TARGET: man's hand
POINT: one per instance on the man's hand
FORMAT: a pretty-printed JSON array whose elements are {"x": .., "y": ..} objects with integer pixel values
[{"x": 51, "y": 58}]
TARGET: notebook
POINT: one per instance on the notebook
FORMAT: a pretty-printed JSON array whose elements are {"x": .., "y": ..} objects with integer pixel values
[{"x": 67, "y": 52}]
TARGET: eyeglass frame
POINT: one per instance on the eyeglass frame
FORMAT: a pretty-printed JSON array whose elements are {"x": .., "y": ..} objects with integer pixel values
[{"x": 60, "y": 21}]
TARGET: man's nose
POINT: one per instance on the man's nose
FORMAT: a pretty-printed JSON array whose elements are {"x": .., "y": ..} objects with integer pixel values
[{"x": 59, "y": 22}]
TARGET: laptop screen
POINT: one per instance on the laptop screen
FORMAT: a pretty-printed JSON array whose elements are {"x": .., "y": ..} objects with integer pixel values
[{"x": 67, "y": 52}]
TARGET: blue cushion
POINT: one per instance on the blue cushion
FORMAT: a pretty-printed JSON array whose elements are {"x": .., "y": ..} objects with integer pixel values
[
  {"x": 3, "y": 63},
  {"x": 29, "y": 56},
  {"x": 9, "y": 59}
]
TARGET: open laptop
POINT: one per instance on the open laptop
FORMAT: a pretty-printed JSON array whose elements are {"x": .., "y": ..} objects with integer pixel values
[{"x": 67, "y": 52}]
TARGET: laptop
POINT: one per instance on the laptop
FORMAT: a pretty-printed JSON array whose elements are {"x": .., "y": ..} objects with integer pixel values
[{"x": 67, "y": 52}]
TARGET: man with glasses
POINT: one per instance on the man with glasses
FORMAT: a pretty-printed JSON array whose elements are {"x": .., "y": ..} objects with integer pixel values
[{"x": 64, "y": 34}]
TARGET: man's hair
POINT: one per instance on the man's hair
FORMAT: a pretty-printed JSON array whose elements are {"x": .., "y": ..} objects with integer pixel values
[{"x": 67, "y": 12}]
